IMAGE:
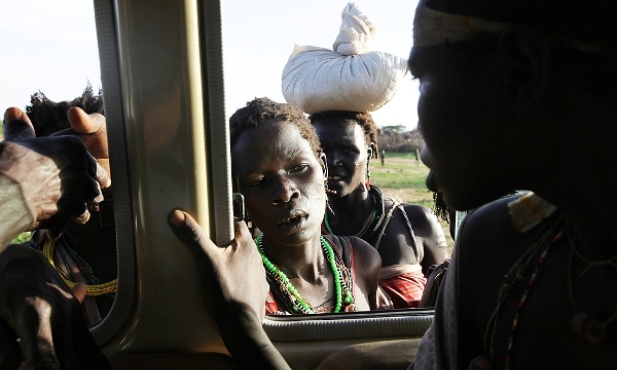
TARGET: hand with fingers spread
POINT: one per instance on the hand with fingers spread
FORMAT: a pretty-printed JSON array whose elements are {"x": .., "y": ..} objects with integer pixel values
[
  {"x": 235, "y": 278},
  {"x": 45, "y": 181}
]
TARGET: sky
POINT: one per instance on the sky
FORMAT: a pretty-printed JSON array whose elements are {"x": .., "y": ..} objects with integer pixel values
[{"x": 54, "y": 49}]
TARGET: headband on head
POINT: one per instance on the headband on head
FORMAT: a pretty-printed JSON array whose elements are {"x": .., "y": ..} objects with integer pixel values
[{"x": 434, "y": 28}]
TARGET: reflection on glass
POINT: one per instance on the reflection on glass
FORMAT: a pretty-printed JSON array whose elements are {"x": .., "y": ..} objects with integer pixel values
[{"x": 83, "y": 253}]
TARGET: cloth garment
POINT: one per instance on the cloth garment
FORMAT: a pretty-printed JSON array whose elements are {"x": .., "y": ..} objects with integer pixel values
[
  {"x": 400, "y": 286},
  {"x": 404, "y": 284}
]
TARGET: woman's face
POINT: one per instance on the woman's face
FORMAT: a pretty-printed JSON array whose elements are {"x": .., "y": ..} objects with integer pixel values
[
  {"x": 282, "y": 182},
  {"x": 347, "y": 153}
]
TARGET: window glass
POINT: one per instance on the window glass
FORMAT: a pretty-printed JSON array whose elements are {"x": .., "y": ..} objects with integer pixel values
[
  {"x": 51, "y": 61},
  {"x": 259, "y": 37}
]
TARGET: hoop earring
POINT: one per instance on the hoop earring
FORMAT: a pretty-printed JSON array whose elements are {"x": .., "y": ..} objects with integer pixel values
[
  {"x": 368, "y": 175},
  {"x": 328, "y": 191},
  {"x": 328, "y": 206}
]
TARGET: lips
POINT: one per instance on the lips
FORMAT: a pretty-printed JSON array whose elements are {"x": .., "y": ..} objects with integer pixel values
[
  {"x": 294, "y": 219},
  {"x": 335, "y": 178}
]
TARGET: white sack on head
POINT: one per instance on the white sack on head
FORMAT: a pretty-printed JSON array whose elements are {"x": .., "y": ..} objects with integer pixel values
[
  {"x": 356, "y": 32},
  {"x": 350, "y": 78},
  {"x": 320, "y": 80}
]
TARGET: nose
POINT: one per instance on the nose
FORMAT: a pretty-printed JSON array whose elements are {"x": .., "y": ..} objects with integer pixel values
[
  {"x": 285, "y": 190},
  {"x": 333, "y": 158}
]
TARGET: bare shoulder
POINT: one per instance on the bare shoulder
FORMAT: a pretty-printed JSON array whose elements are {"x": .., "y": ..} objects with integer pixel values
[
  {"x": 417, "y": 214},
  {"x": 424, "y": 221},
  {"x": 487, "y": 225},
  {"x": 365, "y": 254},
  {"x": 487, "y": 242}
]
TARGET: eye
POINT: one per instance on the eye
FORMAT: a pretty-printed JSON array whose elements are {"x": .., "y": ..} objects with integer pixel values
[
  {"x": 256, "y": 181},
  {"x": 350, "y": 150},
  {"x": 298, "y": 168}
]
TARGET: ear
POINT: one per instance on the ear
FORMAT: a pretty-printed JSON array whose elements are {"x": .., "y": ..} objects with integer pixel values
[
  {"x": 527, "y": 67},
  {"x": 371, "y": 152},
  {"x": 324, "y": 164}
]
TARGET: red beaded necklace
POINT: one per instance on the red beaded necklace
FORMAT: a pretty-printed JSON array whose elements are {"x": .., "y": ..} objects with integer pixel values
[{"x": 514, "y": 276}]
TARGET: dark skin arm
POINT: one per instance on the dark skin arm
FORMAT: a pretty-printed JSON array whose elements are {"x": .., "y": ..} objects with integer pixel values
[
  {"x": 68, "y": 181},
  {"x": 59, "y": 180},
  {"x": 37, "y": 307},
  {"x": 428, "y": 229},
  {"x": 235, "y": 277}
]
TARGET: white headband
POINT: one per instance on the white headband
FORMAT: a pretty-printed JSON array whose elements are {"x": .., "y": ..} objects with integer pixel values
[{"x": 434, "y": 28}]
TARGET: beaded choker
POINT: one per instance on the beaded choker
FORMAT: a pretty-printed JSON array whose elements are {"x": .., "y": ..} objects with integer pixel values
[
  {"x": 297, "y": 303},
  {"x": 373, "y": 221}
]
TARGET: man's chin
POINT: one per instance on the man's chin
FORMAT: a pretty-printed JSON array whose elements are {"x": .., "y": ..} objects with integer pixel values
[{"x": 431, "y": 182}]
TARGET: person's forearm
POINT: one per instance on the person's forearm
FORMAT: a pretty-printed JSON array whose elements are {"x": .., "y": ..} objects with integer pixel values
[{"x": 15, "y": 216}]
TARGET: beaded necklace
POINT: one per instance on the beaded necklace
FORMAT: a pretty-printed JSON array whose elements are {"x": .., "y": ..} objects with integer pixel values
[
  {"x": 514, "y": 276},
  {"x": 298, "y": 304},
  {"x": 372, "y": 222},
  {"x": 92, "y": 290}
]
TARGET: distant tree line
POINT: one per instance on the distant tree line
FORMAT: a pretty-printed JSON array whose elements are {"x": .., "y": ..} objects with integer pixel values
[{"x": 395, "y": 139}]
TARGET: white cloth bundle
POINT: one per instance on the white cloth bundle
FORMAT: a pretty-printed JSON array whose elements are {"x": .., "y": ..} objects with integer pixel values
[{"x": 350, "y": 78}]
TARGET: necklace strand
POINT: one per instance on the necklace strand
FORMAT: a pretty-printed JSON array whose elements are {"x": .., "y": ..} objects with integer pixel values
[
  {"x": 299, "y": 305},
  {"x": 523, "y": 300},
  {"x": 514, "y": 276},
  {"x": 94, "y": 290},
  {"x": 372, "y": 222}
]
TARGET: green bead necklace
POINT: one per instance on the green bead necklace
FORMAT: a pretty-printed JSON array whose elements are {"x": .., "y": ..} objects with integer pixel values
[
  {"x": 299, "y": 304},
  {"x": 373, "y": 221}
]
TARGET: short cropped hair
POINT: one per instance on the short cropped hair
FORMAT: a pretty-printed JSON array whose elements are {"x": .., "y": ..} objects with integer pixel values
[{"x": 262, "y": 111}]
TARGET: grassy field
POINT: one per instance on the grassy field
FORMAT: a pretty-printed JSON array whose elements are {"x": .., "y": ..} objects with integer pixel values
[{"x": 405, "y": 177}]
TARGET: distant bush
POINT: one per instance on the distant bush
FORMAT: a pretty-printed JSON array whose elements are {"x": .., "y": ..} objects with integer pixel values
[{"x": 392, "y": 140}]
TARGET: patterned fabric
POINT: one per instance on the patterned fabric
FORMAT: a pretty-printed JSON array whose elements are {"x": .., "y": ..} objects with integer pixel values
[
  {"x": 529, "y": 210},
  {"x": 404, "y": 284},
  {"x": 344, "y": 261}
]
